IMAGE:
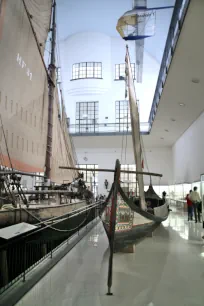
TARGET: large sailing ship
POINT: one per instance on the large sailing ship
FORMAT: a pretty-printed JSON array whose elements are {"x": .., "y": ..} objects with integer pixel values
[{"x": 33, "y": 136}]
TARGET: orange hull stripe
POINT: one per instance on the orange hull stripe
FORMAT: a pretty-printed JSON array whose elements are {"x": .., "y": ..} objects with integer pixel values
[{"x": 18, "y": 165}]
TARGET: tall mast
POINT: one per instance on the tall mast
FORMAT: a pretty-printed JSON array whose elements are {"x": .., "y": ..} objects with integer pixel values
[
  {"x": 135, "y": 123},
  {"x": 52, "y": 74}
]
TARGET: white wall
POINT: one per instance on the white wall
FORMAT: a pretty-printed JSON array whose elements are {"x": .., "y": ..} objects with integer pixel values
[
  {"x": 188, "y": 157},
  {"x": 159, "y": 159},
  {"x": 183, "y": 163},
  {"x": 98, "y": 47}
]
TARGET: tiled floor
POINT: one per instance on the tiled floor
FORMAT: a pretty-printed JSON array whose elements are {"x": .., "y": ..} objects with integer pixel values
[{"x": 166, "y": 270}]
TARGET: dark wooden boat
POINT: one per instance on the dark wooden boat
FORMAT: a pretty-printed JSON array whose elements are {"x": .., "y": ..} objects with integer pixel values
[{"x": 130, "y": 222}]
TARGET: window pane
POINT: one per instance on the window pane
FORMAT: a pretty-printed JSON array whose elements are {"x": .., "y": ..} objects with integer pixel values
[
  {"x": 120, "y": 71},
  {"x": 86, "y": 70},
  {"x": 87, "y": 116}
]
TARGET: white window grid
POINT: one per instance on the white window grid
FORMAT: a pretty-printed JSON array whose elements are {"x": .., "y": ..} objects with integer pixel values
[
  {"x": 120, "y": 71},
  {"x": 87, "y": 70}
]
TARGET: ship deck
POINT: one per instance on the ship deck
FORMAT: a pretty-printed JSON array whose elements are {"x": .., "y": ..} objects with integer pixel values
[{"x": 166, "y": 269}]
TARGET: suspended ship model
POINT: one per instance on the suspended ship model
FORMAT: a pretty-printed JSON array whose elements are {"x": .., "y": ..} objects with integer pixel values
[{"x": 33, "y": 134}]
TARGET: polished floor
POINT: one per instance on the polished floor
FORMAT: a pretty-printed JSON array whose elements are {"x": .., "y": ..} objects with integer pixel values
[{"x": 165, "y": 270}]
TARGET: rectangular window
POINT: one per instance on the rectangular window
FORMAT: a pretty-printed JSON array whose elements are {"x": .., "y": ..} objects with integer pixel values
[
  {"x": 120, "y": 71},
  {"x": 90, "y": 177},
  {"x": 122, "y": 116},
  {"x": 87, "y": 70},
  {"x": 86, "y": 117},
  {"x": 128, "y": 180}
]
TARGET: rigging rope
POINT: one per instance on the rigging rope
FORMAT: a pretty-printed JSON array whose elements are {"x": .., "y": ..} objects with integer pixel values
[
  {"x": 124, "y": 135},
  {"x": 2, "y": 158},
  {"x": 37, "y": 42},
  {"x": 70, "y": 230},
  {"x": 144, "y": 153},
  {"x": 62, "y": 95},
  {"x": 122, "y": 148},
  {"x": 68, "y": 217},
  {"x": 6, "y": 142}
]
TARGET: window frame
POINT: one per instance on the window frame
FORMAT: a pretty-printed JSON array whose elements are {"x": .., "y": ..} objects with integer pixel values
[
  {"x": 90, "y": 123},
  {"x": 129, "y": 180},
  {"x": 88, "y": 174},
  {"x": 86, "y": 68},
  {"x": 122, "y": 110},
  {"x": 119, "y": 68}
]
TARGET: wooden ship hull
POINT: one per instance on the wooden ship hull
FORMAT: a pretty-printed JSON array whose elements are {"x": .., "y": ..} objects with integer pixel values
[
  {"x": 129, "y": 222},
  {"x": 38, "y": 213}
]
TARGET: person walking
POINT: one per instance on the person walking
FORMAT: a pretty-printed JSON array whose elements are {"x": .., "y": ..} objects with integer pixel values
[
  {"x": 195, "y": 199},
  {"x": 190, "y": 206}
]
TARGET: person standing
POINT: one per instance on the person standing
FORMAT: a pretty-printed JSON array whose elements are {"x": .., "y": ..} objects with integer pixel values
[
  {"x": 195, "y": 199},
  {"x": 164, "y": 197},
  {"x": 190, "y": 206}
]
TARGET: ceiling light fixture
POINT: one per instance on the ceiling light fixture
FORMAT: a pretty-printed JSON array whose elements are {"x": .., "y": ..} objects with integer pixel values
[
  {"x": 195, "y": 80},
  {"x": 182, "y": 104}
]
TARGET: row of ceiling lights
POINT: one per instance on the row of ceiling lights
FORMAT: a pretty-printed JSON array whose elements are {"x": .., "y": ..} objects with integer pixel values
[
  {"x": 173, "y": 120},
  {"x": 193, "y": 80}
]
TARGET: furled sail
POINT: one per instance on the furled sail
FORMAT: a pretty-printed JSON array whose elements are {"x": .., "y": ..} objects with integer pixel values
[
  {"x": 23, "y": 91},
  {"x": 40, "y": 14},
  {"x": 135, "y": 123},
  {"x": 62, "y": 150}
]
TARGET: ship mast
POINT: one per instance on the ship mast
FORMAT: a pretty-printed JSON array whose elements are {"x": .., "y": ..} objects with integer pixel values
[
  {"x": 135, "y": 123},
  {"x": 52, "y": 74}
]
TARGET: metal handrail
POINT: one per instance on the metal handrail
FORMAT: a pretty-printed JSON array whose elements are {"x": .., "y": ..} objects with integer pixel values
[
  {"x": 32, "y": 251},
  {"x": 179, "y": 13},
  {"x": 100, "y": 128}
]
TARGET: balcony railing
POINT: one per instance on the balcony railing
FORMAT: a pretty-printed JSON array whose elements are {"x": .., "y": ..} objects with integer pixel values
[
  {"x": 105, "y": 129},
  {"x": 180, "y": 10}
]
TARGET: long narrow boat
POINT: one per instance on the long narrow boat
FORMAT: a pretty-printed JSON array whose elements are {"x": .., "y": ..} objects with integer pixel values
[{"x": 131, "y": 223}]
